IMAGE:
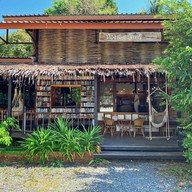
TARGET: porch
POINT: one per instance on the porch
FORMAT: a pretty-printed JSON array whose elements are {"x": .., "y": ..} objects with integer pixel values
[{"x": 140, "y": 148}]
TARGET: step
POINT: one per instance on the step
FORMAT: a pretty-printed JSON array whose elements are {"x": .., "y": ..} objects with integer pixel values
[
  {"x": 141, "y": 148},
  {"x": 136, "y": 155}
]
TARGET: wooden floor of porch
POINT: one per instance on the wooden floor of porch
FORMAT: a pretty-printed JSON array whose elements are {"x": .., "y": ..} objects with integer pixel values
[{"x": 139, "y": 141}]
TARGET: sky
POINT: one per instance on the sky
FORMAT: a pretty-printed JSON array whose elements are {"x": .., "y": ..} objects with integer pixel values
[{"x": 22, "y": 7}]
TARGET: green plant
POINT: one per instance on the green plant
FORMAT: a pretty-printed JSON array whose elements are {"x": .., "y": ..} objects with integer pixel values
[
  {"x": 99, "y": 161},
  {"x": 67, "y": 138},
  {"x": 177, "y": 61},
  {"x": 181, "y": 171},
  {"x": 90, "y": 138},
  {"x": 12, "y": 150},
  {"x": 5, "y": 138},
  {"x": 72, "y": 141},
  {"x": 187, "y": 144},
  {"x": 57, "y": 163},
  {"x": 40, "y": 143}
]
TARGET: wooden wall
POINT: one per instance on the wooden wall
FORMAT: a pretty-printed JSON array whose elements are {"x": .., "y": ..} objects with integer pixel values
[{"x": 82, "y": 46}]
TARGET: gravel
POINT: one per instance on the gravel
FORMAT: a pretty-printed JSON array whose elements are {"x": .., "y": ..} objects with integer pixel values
[{"x": 118, "y": 176}]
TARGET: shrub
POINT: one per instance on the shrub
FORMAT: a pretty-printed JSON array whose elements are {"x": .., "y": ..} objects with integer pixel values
[
  {"x": 90, "y": 138},
  {"x": 71, "y": 141},
  {"x": 61, "y": 137},
  {"x": 68, "y": 139},
  {"x": 187, "y": 144},
  {"x": 40, "y": 143},
  {"x": 5, "y": 138}
]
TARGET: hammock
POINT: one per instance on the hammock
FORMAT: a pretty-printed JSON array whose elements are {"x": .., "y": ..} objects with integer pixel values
[
  {"x": 17, "y": 103},
  {"x": 157, "y": 119}
]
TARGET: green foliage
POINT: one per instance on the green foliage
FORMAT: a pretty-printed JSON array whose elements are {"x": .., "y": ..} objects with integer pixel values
[
  {"x": 67, "y": 142},
  {"x": 99, "y": 161},
  {"x": 5, "y": 138},
  {"x": 16, "y": 50},
  {"x": 90, "y": 138},
  {"x": 187, "y": 144},
  {"x": 61, "y": 137},
  {"x": 181, "y": 171},
  {"x": 73, "y": 141},
  {"x": 40, "y": 143},
  {"x": 12, "y": 150},
  {"x": 154, "y": 7},
  {"x": 177, "y": 61},
  {"x": 57, "y": 163},
  {"x": 82, "y": 7}
]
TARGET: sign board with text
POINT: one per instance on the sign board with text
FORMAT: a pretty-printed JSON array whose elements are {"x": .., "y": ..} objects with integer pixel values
[{"x": 130, "y": 37}]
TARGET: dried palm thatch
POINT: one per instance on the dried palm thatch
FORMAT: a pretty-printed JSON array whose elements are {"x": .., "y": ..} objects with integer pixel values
[{"x": 31, "y": 71}]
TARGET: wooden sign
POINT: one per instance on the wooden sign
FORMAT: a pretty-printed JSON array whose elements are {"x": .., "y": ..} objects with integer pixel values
[{"x": 130, "y": 37}]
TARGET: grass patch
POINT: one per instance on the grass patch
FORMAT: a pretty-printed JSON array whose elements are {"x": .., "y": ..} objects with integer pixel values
[
  {"x": 181, "y": 171},
  {"x": 12, "y": 150}
]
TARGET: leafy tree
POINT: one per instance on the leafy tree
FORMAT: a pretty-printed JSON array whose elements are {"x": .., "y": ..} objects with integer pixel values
[
  {"x": 16, "y": 50},
  {"x": 82, "y": 7},
  {"x": 177, "y": 62}
]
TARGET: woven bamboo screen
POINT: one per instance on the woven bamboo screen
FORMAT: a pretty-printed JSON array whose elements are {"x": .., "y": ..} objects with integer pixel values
[{"x": 82, "y": 46}]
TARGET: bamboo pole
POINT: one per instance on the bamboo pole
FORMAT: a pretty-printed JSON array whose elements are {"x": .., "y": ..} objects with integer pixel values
[{"x": 149, "y": 102}]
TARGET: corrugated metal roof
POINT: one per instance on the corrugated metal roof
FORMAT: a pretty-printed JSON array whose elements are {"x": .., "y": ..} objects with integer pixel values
[
  {"x": 81, "y": 17},
  {"x": 82, "y": 21},
  {"x": 45, "y": 15},
  {"x": 124, "y": 21}
]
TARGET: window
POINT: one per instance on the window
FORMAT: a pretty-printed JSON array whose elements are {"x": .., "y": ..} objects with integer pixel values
[{"x": 65, "y": 95}]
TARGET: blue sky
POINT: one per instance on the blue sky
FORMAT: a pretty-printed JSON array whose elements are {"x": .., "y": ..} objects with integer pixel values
[{"x": 21, "y": 7}]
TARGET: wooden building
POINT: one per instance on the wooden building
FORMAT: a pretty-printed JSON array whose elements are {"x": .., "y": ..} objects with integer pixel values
[{"x": 86, "y": 68}]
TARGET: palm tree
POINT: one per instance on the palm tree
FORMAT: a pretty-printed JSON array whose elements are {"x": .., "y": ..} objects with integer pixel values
[{"x": 155, "y": 7}]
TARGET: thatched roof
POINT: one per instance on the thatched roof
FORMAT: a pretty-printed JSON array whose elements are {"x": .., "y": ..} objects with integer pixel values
[{"x": 31, "y": 71}]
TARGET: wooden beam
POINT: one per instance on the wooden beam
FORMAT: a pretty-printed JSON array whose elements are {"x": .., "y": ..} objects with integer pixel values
[{"x": 79, "y": 25}]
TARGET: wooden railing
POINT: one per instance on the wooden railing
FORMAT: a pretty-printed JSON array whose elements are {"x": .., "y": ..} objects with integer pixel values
[{"x": 30, "y": 120}]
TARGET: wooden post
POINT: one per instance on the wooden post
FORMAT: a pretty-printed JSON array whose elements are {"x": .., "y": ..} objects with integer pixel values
[
  {"x": 24, "y": 111},
  {"x": 10, "y": 101},
  {"x": 36, "y": 45},
  {"x": 167, "y": 108},
  {"x": 10, "y": 98},
  {"x": 95, "y": 99},
  {"x": 149, "y": 102}
]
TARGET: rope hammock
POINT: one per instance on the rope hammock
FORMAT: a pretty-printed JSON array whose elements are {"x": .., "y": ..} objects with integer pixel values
[
  {"x": 158, "y": 119},
  {"x": 17, "y": 103}
]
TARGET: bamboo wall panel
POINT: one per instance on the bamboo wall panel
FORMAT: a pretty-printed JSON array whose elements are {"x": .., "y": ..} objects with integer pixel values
[{"x": 82, "y": 46}]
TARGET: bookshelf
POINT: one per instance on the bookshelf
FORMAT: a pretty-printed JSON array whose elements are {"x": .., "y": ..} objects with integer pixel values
[{"x": 51, "y": 95}]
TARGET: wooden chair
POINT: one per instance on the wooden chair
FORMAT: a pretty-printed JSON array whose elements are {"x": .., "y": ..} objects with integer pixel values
[
  {"x": 138, "y": 124},
  {"x": 109, "y": 125}
]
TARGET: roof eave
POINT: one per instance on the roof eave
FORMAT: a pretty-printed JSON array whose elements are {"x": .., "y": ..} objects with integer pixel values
[{"x": 81, "y": 25}]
